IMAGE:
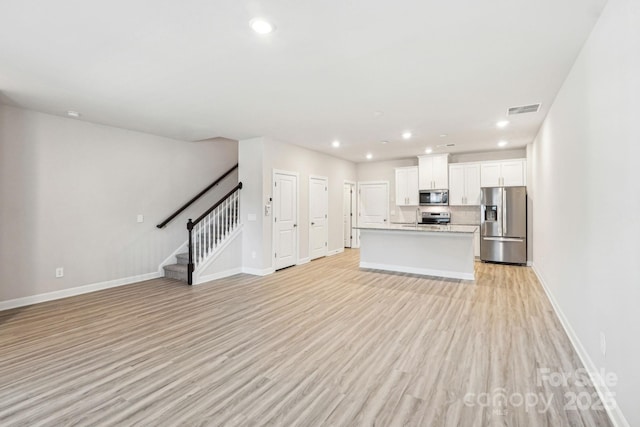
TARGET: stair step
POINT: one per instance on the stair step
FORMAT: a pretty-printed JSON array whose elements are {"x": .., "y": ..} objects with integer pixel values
[
  {"x": 176, "y": 271},
  {"x": 183, "y": 259}
]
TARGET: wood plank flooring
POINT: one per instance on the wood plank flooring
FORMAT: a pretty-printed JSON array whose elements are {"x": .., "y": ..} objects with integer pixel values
[{"x": 320, "y": 344}]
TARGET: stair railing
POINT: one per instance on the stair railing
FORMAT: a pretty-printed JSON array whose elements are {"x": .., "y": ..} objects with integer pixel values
[
  {"x": 211, "y": 228},
  {"x": 196, "y": 197}
]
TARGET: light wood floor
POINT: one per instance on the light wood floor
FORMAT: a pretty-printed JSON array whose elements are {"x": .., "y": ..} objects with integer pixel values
[{"x": 320, "y": 344}]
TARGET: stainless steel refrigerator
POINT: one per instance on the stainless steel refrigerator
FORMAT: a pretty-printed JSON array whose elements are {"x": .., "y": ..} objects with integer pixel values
[{"x": 503, "y": 225}]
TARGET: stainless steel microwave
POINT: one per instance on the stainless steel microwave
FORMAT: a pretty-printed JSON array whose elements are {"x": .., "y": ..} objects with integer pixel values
[{"x": 434, "y": 197}]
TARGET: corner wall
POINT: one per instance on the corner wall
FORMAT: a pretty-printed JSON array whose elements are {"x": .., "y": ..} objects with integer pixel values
[
  {"x": 585, "y": 193},
  {"x": 70, "y": 192}
]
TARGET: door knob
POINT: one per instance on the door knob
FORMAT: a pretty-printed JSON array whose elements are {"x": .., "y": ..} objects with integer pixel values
[
  {"x": 313, "y": 223},
  {"x": 295, "y": 225}
]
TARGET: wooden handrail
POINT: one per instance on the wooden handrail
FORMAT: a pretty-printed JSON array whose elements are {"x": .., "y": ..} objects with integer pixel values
[{"x": 196, "y": 197}]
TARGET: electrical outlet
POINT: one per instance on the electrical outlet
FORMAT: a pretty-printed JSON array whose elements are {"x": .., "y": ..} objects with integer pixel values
[
  {"x": 603, "y": 344},
  {"x": 59, "y": 272},
  {"x": 140, "y": 218}
]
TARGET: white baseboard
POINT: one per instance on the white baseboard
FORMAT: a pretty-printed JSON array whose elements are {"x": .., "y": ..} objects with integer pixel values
[
  {"x": 79, "y": 290},
  {"x": 218, "y": 275},
  {"x": 335, "y": 252},
  {"x": 615, "y": 413},
  {"x": 303, "y": 261},
  {"x": 415, "y": 270},
  {"x": 257, "y": 271}
]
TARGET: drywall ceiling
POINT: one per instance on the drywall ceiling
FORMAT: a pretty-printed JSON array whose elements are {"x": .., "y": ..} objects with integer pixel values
[{"x": 194, "y": 69}]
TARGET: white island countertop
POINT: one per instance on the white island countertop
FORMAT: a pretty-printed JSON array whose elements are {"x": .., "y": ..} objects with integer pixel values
[
  {"x": 449, "y": 228},
  {"x": 432, "y": 250}
]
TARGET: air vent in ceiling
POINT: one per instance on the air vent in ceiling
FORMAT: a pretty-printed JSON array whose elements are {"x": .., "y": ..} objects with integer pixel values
[
  {"x": 533, "y": 108},
  {"x": 445, "y": 145}
]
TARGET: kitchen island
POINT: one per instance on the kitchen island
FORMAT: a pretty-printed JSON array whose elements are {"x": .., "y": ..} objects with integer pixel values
[{"x": 432, "y": 250}]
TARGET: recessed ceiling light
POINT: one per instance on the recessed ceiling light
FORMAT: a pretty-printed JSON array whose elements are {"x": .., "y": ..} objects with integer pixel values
[
  {"x": 73, "y": 114},
  {"x": 384, "y": 142},
  {"x": 443, "y": 135},
  {"x": 335, "y": 143},
  {"x": 369, "y": 156},
  {"x": 429, "y": 150},
  {"x": 261, "y": 26},
  {"x": 378, "y": 113},
  {"x": 502, "y": 143},
  {"x": 406, "y": 135},
  {"x": 502, "y": 123}
]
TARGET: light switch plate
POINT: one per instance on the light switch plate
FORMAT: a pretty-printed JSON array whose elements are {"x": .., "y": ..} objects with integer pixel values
[{"x": 140, "y": 218}]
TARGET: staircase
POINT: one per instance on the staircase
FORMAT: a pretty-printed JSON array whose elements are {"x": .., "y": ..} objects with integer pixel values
[
  {"x": 207, "y": 235},
  {"x": 180, "y": 270}
]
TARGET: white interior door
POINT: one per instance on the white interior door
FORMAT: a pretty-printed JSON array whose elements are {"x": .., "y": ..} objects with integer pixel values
[
  {"x": 348, "y": 207},
  {"x": 318, "y": 216},
  {"x": 285, "y": 217},
  {"x": 374, "y": 203}
]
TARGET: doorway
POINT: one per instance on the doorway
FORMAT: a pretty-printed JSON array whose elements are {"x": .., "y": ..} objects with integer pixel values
[
  {"x": 374, "y": 203},
  {"x": 318, "y": 216},
  {"x": 285, "y": 219}
]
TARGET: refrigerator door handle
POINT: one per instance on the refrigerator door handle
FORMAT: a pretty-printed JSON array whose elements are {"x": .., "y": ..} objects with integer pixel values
[
  {"x": 503, "y": 239},
  {"x": 504, "y": 212}
]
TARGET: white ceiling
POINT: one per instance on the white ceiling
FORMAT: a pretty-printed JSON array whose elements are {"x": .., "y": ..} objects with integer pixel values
[{"x": 193, "y": 69}]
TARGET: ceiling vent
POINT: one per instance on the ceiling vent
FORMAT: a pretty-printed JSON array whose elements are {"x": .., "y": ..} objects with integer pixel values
[{"x": 533, "y": 108}]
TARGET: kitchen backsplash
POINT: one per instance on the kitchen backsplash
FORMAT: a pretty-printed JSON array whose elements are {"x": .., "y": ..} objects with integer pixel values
[{"x": 459, "y": 214}]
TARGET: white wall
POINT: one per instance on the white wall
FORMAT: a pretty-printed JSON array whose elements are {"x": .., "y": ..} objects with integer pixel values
[
  {"x": 585, "y": 191},
  {"x": 265, "y": 155},
  {"x": 385, "y": 171},
  {"x": 500, "y": 154},
  {"x": 250, "y": 170},
  {"x": 70, "y": 192}
]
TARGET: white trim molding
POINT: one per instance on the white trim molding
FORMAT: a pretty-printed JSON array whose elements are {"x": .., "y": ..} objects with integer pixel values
[
  {"x": 79, "y": 290},
  {"x": 615, "y": 413},
  {"x": 335, "y": 251},
  {"x": 304, "y": 260},
  {"x": 258, "y": 271},
  {"x": 219, "y": 275}
]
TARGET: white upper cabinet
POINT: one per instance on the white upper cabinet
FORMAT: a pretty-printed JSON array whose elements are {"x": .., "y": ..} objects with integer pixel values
[
  {"x": 490, "y": 174},
  {"x": 413, "y": 193},
  {"x": 433, "y": 172},
  {"x": 464, "y": 184},
  {"x": 514, "y": 173},
  {"x": 505, "y": 173},
  {"x": 407, "y": 186}
]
